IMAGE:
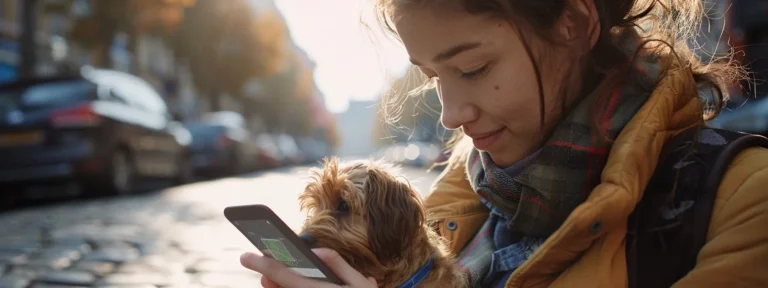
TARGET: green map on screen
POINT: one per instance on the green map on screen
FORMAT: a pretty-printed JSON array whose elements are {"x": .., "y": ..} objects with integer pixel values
[{"x": 279, "y": 251}]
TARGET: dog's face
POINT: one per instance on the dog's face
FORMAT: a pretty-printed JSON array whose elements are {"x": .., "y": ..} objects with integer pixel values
[{"x": 363, "y": 211}]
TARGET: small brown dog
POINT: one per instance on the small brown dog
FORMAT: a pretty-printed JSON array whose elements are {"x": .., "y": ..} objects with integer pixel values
[{"x": 377, "y": 224}]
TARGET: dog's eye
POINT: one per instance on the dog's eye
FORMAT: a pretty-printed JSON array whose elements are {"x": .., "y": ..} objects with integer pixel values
[{"x": 342, "y": 207}]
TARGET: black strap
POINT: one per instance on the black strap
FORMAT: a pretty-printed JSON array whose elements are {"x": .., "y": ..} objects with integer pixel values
[
  {"x": 634, "y": 221},
  {"x": 702, "y": 213},
  {"x": 659, "y": 259},
  {"x": 631, "y": 251}
]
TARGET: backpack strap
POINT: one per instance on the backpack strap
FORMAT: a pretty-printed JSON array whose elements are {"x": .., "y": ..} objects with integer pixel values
[
  {"x": 702, "y": 211},
  {"x": 677, "y": 143},
  {"x": 669, "y": 226}
]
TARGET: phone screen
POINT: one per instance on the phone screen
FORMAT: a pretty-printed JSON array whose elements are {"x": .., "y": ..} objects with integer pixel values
[{"x": 271, "y": 242}]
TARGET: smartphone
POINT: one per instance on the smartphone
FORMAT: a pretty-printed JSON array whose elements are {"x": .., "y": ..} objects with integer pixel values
[{"x": 274, "y": 239}]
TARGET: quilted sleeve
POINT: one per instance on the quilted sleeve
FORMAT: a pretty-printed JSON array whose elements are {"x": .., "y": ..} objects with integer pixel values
[{"x": 736, "y": 252}]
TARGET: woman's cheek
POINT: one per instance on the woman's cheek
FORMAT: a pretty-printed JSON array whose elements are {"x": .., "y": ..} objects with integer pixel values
[{"x": 518, "y": 111}]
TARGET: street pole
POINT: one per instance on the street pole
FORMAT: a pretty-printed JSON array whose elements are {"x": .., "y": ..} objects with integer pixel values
[{"x": 28, "y": 47}]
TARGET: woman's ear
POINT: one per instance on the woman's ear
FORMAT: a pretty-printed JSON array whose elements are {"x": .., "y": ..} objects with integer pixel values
[
  {"x": 395, "y": 215},
  {"x": 580, "y": 22}
]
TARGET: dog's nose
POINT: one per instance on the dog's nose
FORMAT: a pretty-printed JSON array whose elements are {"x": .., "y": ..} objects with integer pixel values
[{"x": 308, "y": 239}]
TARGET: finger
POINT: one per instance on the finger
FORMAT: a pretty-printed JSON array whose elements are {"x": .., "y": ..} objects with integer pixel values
[
  {"x": 279, "y": 273},
  {"x": 373, "y": 281},
  {"x": 266, "y": 283},
  {"x": 341, "y": 268}
]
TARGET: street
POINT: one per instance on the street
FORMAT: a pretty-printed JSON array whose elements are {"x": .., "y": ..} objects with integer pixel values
[{"x": 172, "y": 238}]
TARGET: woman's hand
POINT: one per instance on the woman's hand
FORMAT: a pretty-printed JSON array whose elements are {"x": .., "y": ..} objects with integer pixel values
[{"x": 275, "y": 274}]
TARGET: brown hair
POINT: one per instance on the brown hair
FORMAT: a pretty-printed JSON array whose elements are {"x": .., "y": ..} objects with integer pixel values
[{"x": 674, "y": 23}]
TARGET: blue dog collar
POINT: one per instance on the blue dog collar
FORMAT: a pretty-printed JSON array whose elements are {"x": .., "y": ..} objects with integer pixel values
[{"x": 419, "y": 276}]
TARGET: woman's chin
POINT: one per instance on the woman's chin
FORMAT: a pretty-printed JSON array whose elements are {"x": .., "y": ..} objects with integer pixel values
[
  {"x": 499, "y": 159},
  {"x": 505, "y": 158}
]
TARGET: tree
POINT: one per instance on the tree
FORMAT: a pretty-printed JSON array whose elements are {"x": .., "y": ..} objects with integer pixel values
[
  {"x": 225, "y": 45},
  {"x": 97, "y": 29},
  {"x": 306, "y": 111},
  {"x": 281, "y": 90},
  {"x": 273, "y": 42},
  {"x": 332, "y": 134},
  {"x": 161, "y": 17},
  {"x": 230, "y": 43}
]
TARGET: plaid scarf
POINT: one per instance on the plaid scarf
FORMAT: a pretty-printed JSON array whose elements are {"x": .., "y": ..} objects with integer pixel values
[{"x": 569, "y": 164}]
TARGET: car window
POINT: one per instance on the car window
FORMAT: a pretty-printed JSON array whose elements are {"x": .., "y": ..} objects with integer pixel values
[
  {"x": 287, "y": 144},
  {"x": 49, "y": 94},
  {"x": 226, "y": 118},
  {"x": 118, "y": 88},
  {"x": 117, "y": 97},
  {"x": 152, "y": 101},
  {"x": 144, "y": 96},
  {"x": 133, "y": 90}
]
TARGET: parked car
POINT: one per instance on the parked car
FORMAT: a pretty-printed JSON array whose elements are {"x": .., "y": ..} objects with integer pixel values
[
  {"x": 313, "y": 150},
  {"x": 416, "y": 154},
  {"x": 269, "y": 152},
  {"x": 749, "y": 117},
  {"x": 288, "y": 148},
  {"x": 221, "y": 145},
  {"x": 102, "y": 128}
]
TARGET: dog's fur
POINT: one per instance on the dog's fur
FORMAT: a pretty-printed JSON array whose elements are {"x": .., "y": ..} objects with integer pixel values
[{"x": 384, "y": 233}]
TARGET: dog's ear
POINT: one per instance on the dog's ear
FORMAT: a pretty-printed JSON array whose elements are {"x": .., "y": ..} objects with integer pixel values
[
  {"x": 324, "y": 184},
  {"x": 395, "y": 215}
]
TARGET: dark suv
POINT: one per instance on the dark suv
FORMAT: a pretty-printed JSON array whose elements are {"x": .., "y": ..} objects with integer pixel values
[{"x": 105, "y": 129}]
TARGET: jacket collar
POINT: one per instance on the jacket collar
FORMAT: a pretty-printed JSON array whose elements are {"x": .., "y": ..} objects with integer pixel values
[{"x": 672, "y": 108}]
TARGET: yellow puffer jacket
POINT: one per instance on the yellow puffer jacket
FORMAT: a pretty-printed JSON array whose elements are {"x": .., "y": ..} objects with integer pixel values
[{"x": 736, "y": 252}]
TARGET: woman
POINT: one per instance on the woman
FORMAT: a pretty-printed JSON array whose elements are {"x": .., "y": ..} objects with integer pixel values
[{"x": 566, "y": 105}]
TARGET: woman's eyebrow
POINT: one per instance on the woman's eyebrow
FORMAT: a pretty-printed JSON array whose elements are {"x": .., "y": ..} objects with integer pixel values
[{"x": 451, "y": 52}]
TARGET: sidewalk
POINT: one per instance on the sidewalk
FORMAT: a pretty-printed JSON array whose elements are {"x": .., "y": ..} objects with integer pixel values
[{"x": 174, "y": 238}]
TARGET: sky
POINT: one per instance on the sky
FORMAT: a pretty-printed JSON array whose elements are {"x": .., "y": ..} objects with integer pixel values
[{"x": 350, "y": 64}]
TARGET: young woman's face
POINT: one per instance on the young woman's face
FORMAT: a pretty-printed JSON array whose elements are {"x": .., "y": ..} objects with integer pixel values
[{"x": 485, "y": 78}]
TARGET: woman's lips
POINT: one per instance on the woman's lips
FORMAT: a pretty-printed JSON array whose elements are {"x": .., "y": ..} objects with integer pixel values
[{"x": 485, "y": 141}]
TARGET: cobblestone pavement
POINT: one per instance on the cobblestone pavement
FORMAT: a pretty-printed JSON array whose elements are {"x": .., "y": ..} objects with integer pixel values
[{"x": 174, "y": 238}]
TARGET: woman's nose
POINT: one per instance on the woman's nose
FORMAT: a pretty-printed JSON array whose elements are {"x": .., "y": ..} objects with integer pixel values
[{"x": 457, "y": 110}]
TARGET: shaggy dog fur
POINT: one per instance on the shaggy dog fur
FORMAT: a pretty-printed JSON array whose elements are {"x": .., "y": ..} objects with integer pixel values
[{"x": 376, "y": 223}]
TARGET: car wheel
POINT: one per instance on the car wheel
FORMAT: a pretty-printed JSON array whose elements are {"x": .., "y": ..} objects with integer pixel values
[
  {"x": 234, "y": 164},
  {"x": 8, "y": 197},
  {"x": 186, "y": 171},
  {"x": 122, "y": 173}
]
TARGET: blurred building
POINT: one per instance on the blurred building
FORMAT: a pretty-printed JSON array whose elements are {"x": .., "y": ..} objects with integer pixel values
[
  {"x": 10, "y": 24},
  {"x": 356, "y": 126},
  {"x": 51, "y": 48},
  {"x": 56, "y": 53},
  {"x": 156, "y": 62},
  {"x": 320, "y": 117}
]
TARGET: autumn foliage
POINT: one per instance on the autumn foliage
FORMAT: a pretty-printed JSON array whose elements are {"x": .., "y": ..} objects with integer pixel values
[{"x": 225, "y": 44}]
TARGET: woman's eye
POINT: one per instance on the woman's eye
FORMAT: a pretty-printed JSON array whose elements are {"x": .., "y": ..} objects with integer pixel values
[
  {"x": 342, "y": 207},
  {"x": 480, "y": 72}
]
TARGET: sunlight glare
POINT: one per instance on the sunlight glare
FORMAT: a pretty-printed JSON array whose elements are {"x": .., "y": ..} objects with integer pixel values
[{"x": 350, "y": 65}]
